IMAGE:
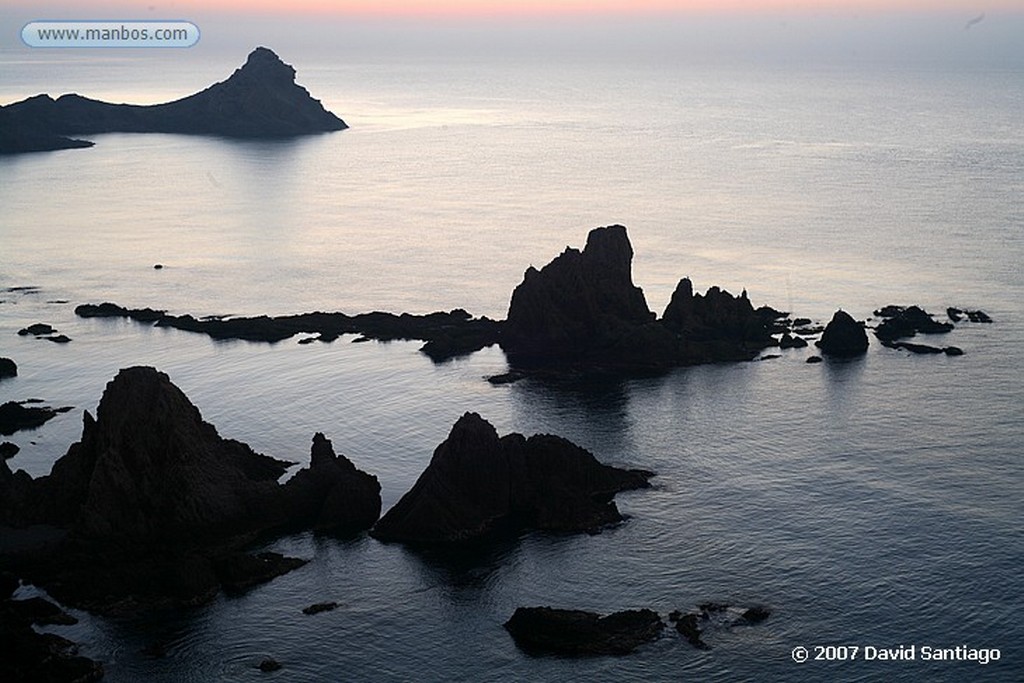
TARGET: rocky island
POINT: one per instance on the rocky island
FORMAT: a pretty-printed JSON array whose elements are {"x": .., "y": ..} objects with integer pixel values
[{"x": 259, "y": 100}]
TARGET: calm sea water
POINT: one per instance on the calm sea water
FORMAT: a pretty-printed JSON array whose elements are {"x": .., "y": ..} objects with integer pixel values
[{"x": 873, "y": 502}]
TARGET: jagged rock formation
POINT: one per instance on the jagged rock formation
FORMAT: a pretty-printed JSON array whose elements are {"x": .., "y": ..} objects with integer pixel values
[
  {"x": 157, "y": 507},
  {"x": 576, "y": 632},
  {"x": 259, "y": 100},
  {"x": 148, "y": 467},
  {"x": 478, "y": 485},
  {"x": 714, "y": 327},
  {"x": 843, "y": 336},
  {"x": 583, "y": 303},
  {"x": 583, "y": 310},
  {"x": 331, "y": 495}
]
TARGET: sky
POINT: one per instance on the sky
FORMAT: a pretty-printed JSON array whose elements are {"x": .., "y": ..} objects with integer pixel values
[{"x": 483, "y": 8}]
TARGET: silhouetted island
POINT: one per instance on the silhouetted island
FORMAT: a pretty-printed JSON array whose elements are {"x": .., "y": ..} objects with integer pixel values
[{"x": 259, "y": 100}]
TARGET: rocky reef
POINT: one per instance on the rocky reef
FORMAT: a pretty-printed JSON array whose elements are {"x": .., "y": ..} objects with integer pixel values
[
  {"x": 259, "y": 100},
  {"x": 447, "y": 334},
  {"x": 154, "y": 507},
  {"x": 576, "y": 632},
  {"x": 478, "y": 485}
]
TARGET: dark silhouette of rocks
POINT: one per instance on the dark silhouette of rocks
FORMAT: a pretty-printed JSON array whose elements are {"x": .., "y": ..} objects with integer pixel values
[
  {"x": 319, "y": 607},
  {"x": 583, "y": 310},
  {"x": 149, "y": 467},
  {"x": 924, "y": 349},
  {"x": 238, "y": 572},
  {"x": 713, "y": 616},
  {"x": 27, "y": 656},
  {"x": 17, "y": 415},
  {"x": 815, "y": 359},
  {"x": 717, "y": 326},
  {"x": 8, "y": 368},
  {"x": 688, "y": 626},
  {"x": 843, "y": 336},
  {"x": 978, "y": 316},
  {"x": 331, "y": 495},
  {"x": 37, "y": 330},
  {"x": 901, "y": 322},
  {"x": 158, "y": 508},
  {"x": 478, "y": 485},
  {"x": 259, "y": 100},
  {"x": 580, "y": 633},
  {"x": 8, "y": 450},
  {"x": 789, "y": 341},
  {"x": 269, "y": 665},
  {"x": 447, "y": 334},
  {"x": 581, "y": 305},
  {"x": 755, "y": 614}
]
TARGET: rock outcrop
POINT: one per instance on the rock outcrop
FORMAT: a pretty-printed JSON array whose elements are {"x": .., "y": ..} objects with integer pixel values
[
  {"x": 158, "y": 508},
  {"x": 331, "y": 495},
  {"x": 716, "y": 326},
  {"x": 843, "y": 336},
  {"x": 8, "y": 368},
  {"x": 18, "y": 415},
  {"x": 259, "y": 100},
  {"x": 582, "y": 310},
  {"x": 582, "y": 305},
  {"x": 148, "y": 467},
  {"x": 578, "y": 633},
  {"x": 478, "y": 485}
]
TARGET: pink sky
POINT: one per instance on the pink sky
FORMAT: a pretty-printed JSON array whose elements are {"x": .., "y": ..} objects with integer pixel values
[{"x": 477, "y": 8}]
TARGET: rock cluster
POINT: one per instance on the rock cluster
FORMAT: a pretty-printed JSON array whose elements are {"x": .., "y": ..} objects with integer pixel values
[{"x": 158, "y": 506}]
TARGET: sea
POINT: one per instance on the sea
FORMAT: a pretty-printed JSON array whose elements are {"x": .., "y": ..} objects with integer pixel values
[{"x": 872, "y": 504}]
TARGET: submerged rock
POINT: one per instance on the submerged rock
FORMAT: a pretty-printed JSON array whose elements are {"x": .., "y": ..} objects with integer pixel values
[
  {"x": 319, "y": 607},
  {"x": 478, "y": 485},
  {"x": 576, "y": 632},
  {"x": 843, "y": 336},
  {"x": 8, "y": 368}
]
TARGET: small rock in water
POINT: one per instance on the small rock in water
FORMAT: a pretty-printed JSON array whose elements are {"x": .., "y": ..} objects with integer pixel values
[
  {"x": 320, "y": 607},
  {"x": 158, "y": 266},
  {"x": 269, "y": 664}
]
